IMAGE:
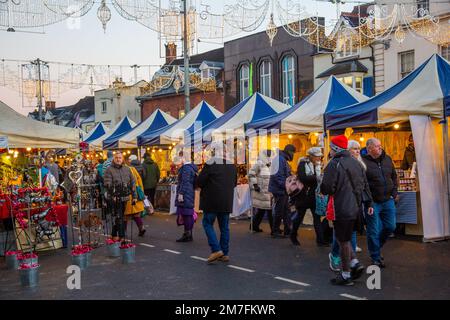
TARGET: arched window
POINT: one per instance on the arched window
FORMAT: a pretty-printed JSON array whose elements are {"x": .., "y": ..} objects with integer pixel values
[
  {"x": 265, "y": 78},
  {"x": 244, "y": 81},
  {"x": 288, "y": 79}
]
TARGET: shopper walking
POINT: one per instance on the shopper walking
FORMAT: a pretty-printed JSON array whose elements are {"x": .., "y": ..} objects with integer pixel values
[
  {"x": 259, "y": 177},
  {"x": 383, "y": 183},
  {"x": 217, "y": 181},
  {"x": 335, "y": 259},
  {"x": 185, "y": 197},
  {"x": 344, "y": 181},
  {"x": 135, "y": 210},
  {"x": 308, "y": 173},
  {"x": 151, "y": 177},
  {"x": 118, "y": 176},
  {"x": 280, "y": 171}
]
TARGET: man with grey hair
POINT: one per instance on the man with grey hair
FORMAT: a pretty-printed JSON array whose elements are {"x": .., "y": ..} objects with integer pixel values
[{"x": 383, "y": 184}]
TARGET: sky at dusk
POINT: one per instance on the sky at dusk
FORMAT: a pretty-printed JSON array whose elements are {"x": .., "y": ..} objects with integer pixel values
[{"x": 124, "y": 43}]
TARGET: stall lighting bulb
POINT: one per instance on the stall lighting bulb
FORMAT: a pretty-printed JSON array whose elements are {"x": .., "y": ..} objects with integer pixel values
[
  {"x": 28, "y": 149},
  {"x": 11, "y": 151},
  {"x": 396, "y": 126},
  {"x": 128, "y": 151},
  {"x": 290, "y": 136},
  {"x": 316, "y": 134},
  {"x": 15, "y": 155},
  {"x": 160, "y": 150},
  {"x": 361, "y": 139}
]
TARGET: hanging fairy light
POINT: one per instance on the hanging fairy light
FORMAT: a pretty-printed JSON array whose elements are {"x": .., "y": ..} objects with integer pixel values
[
  {"x": 400, "y": 35},
  {"x": 104, "y": 14},
  {"x": 271, "y": 29}
]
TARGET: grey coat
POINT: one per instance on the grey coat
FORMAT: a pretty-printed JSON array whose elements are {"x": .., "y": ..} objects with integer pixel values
[{"x": 119, "y": 175}]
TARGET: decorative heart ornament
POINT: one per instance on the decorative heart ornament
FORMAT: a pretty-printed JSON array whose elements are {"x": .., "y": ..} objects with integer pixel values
[{"x": 75, "y": 176}]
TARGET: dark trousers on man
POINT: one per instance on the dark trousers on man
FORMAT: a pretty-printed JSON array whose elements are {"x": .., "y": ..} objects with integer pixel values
[
  {"x": 281, "y": 212},
  {"x": 301, "y": 211}
]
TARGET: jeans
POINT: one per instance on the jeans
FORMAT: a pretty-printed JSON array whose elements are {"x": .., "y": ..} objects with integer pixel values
[
  {"x": 281, "y": 212},
  {"x": 335, "y": 249},
  {"x": 379, "y": 226},
  {"x": 208, "y": 225}
]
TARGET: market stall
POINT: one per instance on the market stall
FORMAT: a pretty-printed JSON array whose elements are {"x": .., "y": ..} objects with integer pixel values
[
  {"x": 420, "y": 101},
  {"x": 156, "y": 121},
  {"x": 95, "y": 135}
]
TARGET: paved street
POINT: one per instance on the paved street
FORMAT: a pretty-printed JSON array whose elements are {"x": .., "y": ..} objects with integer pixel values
[{"x": 260, "y": 268}]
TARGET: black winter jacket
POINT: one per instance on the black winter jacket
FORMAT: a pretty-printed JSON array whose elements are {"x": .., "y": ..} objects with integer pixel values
[
  {"x": 382, "y": 177},
  {"x": 307, "y": 196},
  {"x": 336, "y": 182},
  {"x": 217, "y": 181}
]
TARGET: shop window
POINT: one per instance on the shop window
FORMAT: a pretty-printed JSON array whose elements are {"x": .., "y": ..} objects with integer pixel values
[
  {"x": 406, "y": 61},
  {"x": 422, "y": 4},
  {"x": 244, "y": 78},
  {"x": 104, "y": 107},
  {"x": 288, "y": 80},
  {"x": 265, "y": 78},
  {"x": 445, "y": 52},
  {"x": 355, "y": 82}
]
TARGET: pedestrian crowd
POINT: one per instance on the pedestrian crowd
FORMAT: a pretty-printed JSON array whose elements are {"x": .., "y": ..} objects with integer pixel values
[{"x": 350, "y": 194}]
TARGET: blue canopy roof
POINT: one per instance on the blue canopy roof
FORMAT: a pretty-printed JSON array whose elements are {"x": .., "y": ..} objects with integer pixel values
[
  {"x": 122, "y": 128},
  {"x": 200, "y": 115},
  {"x": 425, "y": 91},
  {"x": 307, "y": 116},
  {"x": 98, "y": 131}
]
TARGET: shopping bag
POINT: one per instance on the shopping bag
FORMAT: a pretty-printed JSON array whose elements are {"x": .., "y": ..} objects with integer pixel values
[
  {"x": 148, "y": 206},
  {"x": 330, "y": 209},
  {"x": 195, "y": 216},
  {"x": 321, "y": 203}
]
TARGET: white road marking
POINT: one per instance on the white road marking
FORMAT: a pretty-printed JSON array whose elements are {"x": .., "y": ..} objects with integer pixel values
[
  {"x": 199, "y": 258},
  {"x": 172, "y": 251},
  {"x": 240, "y": 268},
  {"x": 293, "y": 281},
  {"x": 345, "y": 295},
  {"x": 147, "y": 245}
]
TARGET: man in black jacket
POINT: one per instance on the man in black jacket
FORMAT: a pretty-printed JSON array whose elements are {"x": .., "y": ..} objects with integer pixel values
[
  {"x": 217, "y": 181},
  {"x": 383, "y": 184},
  {"x": 344, "y": 179}
]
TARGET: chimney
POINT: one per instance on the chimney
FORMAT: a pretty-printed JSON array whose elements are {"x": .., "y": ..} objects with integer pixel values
[
  {"x": 171, "y": 52},
  {"x": 50, "y": 105}
]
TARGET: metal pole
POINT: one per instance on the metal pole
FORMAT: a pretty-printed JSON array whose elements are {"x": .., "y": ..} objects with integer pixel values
[
  {"x": 37, "y": 62},
  {"x": 187, "y": 106}
]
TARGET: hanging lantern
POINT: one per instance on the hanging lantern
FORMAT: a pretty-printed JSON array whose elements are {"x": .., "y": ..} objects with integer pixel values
[
  {"x": 177, "y": 85},
  {"x": 400, "y": 35},
  {"x": 271, "y": 29},
  {"x": 104, "y": 14}
]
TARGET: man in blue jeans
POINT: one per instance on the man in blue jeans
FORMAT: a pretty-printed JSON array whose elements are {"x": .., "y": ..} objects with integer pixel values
[
  {"x": 383, "y": 183},
  {"x": 217, "y": 181}
]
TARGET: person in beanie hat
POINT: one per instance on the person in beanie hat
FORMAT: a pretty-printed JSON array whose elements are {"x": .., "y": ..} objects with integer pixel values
[
  {"x": 308, "y": 173},
  {"x": 279, "y": 172},
  {"x": 345, "y": 180}
]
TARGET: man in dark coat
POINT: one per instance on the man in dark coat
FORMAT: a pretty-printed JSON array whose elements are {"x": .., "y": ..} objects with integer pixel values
[
  {"x": 151, "y": 177},
  {"x": 344, "y": 180},
  {"x": 217, "y": 181},
  {"x": 280, "y": 171},
  {"x": 383, "y": 183},
  {"x": 409, "y": 157}
]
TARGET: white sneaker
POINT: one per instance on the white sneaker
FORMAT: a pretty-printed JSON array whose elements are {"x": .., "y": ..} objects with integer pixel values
[{"x": 358, "y": 249}]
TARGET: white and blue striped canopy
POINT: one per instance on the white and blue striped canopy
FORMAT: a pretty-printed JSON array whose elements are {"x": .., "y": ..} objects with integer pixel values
[
  {"x": 124, "y": 125},
  {"x": 253, "y": 108},
  {"x": 98, "y": 131},
  {"x": 200, "y": 115},
  {"x": 156, "y": 121},
  {"x": 307, "y": 116},
  {"x": 425, "y": 91}
]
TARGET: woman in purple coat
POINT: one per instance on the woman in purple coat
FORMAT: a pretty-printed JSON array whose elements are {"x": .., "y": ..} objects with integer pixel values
[{"x": 185, "y": 198}]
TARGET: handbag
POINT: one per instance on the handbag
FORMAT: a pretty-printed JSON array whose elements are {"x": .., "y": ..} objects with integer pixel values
[
  {"x": 140, "y": 193},
  {"x": 321, "y": 203}
]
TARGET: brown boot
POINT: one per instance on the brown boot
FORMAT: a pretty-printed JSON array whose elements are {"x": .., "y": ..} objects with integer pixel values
[
  {"x": 214, "y": 256},
  {"x": 224, "y": 258}
]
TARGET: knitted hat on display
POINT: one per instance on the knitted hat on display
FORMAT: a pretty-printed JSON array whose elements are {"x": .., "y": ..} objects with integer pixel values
[{"x": 339, "y": 143}]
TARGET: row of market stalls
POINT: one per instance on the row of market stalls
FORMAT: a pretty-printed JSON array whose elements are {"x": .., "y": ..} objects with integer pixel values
[{"x": 418, "y": 104}]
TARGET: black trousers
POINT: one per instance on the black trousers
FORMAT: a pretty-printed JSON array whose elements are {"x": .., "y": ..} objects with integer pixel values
[
  {"x": 150, "y": 193},
  {"x": 119, "y": 222},
  {"x": 281, "y": 212},
  {"x": 259, "y": 215},
  {"x": 301, "y": 211}
]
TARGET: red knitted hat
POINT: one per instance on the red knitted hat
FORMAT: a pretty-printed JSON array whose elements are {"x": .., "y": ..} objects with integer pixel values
[{"x": 340, "y": 141}]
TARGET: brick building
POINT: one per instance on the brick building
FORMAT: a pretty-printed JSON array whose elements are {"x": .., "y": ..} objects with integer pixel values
[{"x": 208, "y": 64}]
